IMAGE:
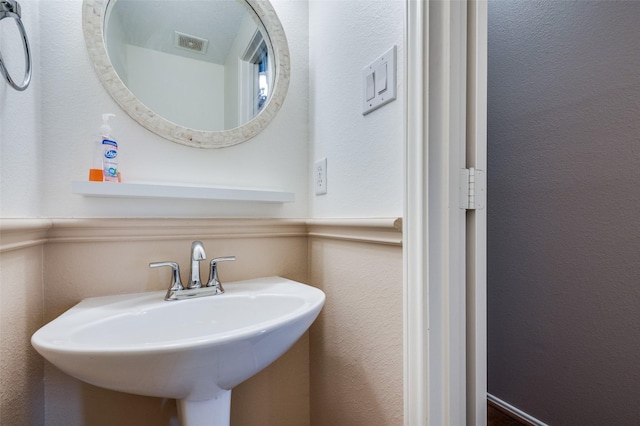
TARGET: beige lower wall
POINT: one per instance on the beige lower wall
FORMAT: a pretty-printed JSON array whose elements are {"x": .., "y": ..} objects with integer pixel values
[
  {"x": 21, "y": 310},
  {"x": 352, "y": 376},
  {"x": 356, "y": 343}
]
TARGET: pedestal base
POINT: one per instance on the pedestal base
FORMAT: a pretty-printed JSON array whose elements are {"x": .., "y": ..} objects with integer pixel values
[{"x": 210, "y": 412}]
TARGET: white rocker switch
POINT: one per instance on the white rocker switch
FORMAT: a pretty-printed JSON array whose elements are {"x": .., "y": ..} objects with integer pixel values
[
  {"x": 370, "y": 83},
  {"x": 380, "y": 77}
]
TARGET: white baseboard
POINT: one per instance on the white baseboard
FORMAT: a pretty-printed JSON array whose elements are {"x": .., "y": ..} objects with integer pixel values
[{"x": 515, "y": 411}]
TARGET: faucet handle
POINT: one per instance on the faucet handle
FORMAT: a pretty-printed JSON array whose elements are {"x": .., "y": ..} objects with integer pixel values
[
  {"x": 214, "y": 281},
  {"x": 176, "y": 282}
]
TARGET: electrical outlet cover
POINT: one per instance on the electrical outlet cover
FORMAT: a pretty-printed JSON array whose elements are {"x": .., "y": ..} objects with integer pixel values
[{"x": 320, "y": 176}]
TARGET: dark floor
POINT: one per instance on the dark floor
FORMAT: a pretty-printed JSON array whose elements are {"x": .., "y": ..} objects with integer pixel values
[{"x": 496, "y": 417}]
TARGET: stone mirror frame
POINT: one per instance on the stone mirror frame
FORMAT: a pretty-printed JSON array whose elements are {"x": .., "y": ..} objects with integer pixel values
[{"x": 93, "y": 14}]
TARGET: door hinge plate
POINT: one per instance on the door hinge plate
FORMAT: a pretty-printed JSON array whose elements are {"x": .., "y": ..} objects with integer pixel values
[{"x": 473, "y": 188}]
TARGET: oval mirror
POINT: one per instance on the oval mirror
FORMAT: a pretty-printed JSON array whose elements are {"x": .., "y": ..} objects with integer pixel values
[{"x": 203, "y": 73}]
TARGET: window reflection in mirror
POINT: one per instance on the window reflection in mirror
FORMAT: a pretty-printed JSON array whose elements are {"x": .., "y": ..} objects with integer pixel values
[
  {"x": 256, "y": 76},
  {"x": 263, "y": 80}
]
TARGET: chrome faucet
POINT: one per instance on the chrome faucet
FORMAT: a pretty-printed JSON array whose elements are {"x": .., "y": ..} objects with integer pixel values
[
  {"x": 195, "y": 288},
  {"x": 197, "y": 256}
]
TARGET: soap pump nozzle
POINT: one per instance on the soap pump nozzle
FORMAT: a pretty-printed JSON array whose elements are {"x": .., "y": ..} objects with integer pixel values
[{"x": 105, "y": 129}]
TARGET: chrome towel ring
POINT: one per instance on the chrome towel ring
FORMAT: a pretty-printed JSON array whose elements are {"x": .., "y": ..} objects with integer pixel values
[{"x": 11, "y": 9}]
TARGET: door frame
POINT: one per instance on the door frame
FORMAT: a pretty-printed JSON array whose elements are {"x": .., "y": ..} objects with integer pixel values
[{"x": 444, "y": 245}]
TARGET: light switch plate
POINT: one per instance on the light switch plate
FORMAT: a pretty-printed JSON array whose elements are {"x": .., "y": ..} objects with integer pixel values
[{"x": 379, "y": 72}]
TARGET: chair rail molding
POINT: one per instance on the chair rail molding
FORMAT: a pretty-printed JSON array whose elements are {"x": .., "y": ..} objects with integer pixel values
[
  {"x": 21, "y": 233},
  {"x": 17, "y": 234}
]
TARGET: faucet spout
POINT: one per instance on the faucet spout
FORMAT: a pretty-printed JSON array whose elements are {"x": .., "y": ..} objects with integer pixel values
[{"x": 197, "y": 256}]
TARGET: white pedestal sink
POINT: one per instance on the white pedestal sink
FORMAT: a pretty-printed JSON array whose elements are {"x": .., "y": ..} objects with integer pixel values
[{"x": 193, "y": 350}]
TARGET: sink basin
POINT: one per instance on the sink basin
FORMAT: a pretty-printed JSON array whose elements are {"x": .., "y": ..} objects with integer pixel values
[{"x": 193, "y": 350}]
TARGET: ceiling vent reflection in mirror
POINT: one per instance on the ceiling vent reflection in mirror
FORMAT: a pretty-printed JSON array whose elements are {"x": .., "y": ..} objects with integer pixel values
[
  {"x": 236, "y": 125},
  {"x": 190, "y": 42}
]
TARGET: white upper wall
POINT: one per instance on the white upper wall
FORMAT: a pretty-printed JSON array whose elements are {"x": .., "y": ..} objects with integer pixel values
[
  {"x": 67, "y": 101},
  {"x": 364, "y": 153},
  {"x": 46, "y": 132},
  {"x": 21, "y": 149}
]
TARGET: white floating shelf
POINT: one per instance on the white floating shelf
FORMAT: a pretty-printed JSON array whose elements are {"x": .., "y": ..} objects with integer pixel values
[{"x": 153, "y": 190}]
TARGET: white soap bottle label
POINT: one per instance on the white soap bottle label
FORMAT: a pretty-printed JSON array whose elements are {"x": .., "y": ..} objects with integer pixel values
[{"x": 110, "y": 160}]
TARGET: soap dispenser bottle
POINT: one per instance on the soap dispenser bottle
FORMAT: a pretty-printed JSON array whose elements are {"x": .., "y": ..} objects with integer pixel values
[{"x": 105, "y": 157}]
